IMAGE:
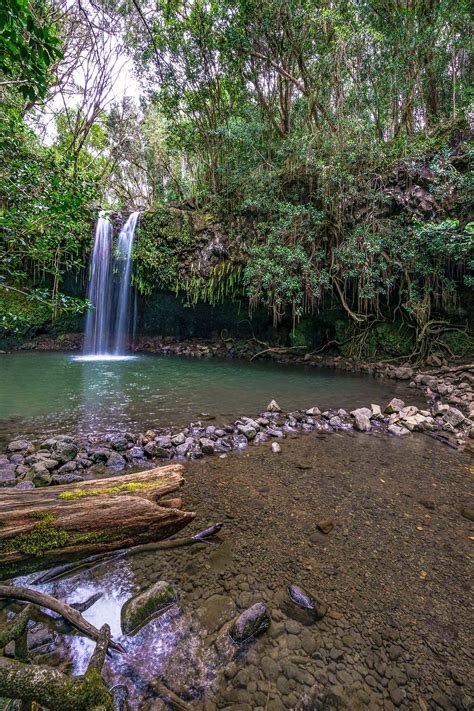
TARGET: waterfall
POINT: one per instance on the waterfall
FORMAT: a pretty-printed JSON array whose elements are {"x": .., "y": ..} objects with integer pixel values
[
  {"x": 98, "y": 318},
  {"x": 124, "y": 264},
  {"x": 108, "y": 321}
]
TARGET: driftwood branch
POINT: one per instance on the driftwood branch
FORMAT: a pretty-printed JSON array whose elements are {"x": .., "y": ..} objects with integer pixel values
[{"x": 70, "y": 614}]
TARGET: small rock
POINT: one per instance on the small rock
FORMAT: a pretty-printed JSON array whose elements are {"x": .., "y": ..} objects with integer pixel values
[
  {"x": 362, "y": 419},
  {"x": 20, "y": 445},
  {"x": 453, "y": 417},
  {"x": 207, "y": 445},
  {"x": 115, "y": 460},
  {"x": 273, "y": 406},
  {"x": 376, "y": 412},
  {"x": 250, "y": 623},
  {"x": 468, "y": 512},
  {"x": 25, "y": 485},
  {"x": 397, "y": 430},
  {"x": 276, "y": 448},
  {"x": 313, "y": 412},
  {"x": 178, "y": 439},
  {"x": 67, "y": 478},
  {"x": 326, "y": 525},
  {"x": 395, "y": 405}
]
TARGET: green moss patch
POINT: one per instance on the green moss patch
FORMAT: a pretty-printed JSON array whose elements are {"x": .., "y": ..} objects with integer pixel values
[
  {"x": 44, "y": 536},
  {"x": 132, "y": 486}
]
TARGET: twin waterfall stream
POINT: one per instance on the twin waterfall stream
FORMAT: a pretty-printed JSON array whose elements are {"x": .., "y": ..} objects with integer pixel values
[{"x": 109, "y": 320}]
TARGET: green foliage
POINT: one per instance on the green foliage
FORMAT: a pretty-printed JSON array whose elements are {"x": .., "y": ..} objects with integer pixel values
[
  {"x": 29, "y": 44},
  {"x": 45, "y": 221}
]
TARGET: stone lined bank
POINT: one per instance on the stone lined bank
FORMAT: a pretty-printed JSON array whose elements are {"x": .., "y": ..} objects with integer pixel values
[{"x": 62, "y": 459}]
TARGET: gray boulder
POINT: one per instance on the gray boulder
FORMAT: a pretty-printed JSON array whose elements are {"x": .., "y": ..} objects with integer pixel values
[
  {"x": 39, "y": 475},
  {"x": 376, "y": 412},
  {"x": 395, "y": 405},
  {"x": 398, "y": 430},
  {"x": 207, "y": 445},
  {"x": 7, "y": 476},
  {"x": 115, "y": 460},
  {"x": 20, "y": 445},
  {"x": 454, "y": 417},
  {"x": 247, "y": 430},
  {"x": 68, "y": 467},
  {"x": 64, "y": 451},
  {"x": 139, "y": 609},
  {"x": 100, "y": 455},
  {"x": 403, "y": 373},
  {"x": 362, "y": 419},
  {"x": 250, "y": 623},
  {"x": 119, "y": 443}
]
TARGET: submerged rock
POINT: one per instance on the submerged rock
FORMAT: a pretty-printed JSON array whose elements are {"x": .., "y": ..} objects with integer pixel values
[
  {"x": 250, "y": 623},
  {"x": 303, "y": 599},
  {"x": 137, "y": 610},
  {"x": 276, "y": 448},
  {"x": 397, "y": 430}
]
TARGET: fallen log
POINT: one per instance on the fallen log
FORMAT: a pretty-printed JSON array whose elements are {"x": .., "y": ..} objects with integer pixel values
[
  {"x": 57, "y": 690},
  {"x": 46, "y": 526},
  {"x": 69, "y": 613}
]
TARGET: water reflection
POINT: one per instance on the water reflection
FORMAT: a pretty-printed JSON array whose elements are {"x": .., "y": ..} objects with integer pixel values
[{"x": 54, "y": 393}]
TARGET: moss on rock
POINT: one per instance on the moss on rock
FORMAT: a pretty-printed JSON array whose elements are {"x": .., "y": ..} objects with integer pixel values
[{"x": 137, "y": 610}]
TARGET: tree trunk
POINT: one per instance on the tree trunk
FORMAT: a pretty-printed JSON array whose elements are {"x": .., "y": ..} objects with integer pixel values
[{"x": 46, "y": 526}]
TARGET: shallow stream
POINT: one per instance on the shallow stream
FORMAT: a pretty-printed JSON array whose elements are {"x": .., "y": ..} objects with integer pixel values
[{"x": 392, "y": 575}]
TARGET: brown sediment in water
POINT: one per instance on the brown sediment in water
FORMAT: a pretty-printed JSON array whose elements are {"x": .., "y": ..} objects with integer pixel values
[{"x": 392, "y": 575}]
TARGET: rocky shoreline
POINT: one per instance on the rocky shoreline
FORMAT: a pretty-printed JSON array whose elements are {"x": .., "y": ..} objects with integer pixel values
[{"x": 63, "y": 459}]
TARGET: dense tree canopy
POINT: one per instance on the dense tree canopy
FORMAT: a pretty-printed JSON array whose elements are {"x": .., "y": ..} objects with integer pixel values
[{"x": 332, "y": 136}]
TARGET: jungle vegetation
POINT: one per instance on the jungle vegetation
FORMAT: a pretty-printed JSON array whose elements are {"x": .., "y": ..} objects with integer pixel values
[{"x": 329, "y": 140}]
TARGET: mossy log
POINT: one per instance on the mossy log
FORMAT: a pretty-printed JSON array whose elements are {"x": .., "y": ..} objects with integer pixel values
[
  {"x": 54, "y": 689},
  {"x": 46, "y": 526}
]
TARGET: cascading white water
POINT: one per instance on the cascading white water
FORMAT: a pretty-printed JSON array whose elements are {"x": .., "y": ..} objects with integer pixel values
[
  {"x": 124, "y": 267},
  {"x": 97, "y": 335},
  {"x": 108, "y": 321}
]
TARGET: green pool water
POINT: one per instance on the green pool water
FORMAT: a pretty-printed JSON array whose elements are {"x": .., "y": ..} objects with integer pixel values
[{"x": 50, "y": 393}]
